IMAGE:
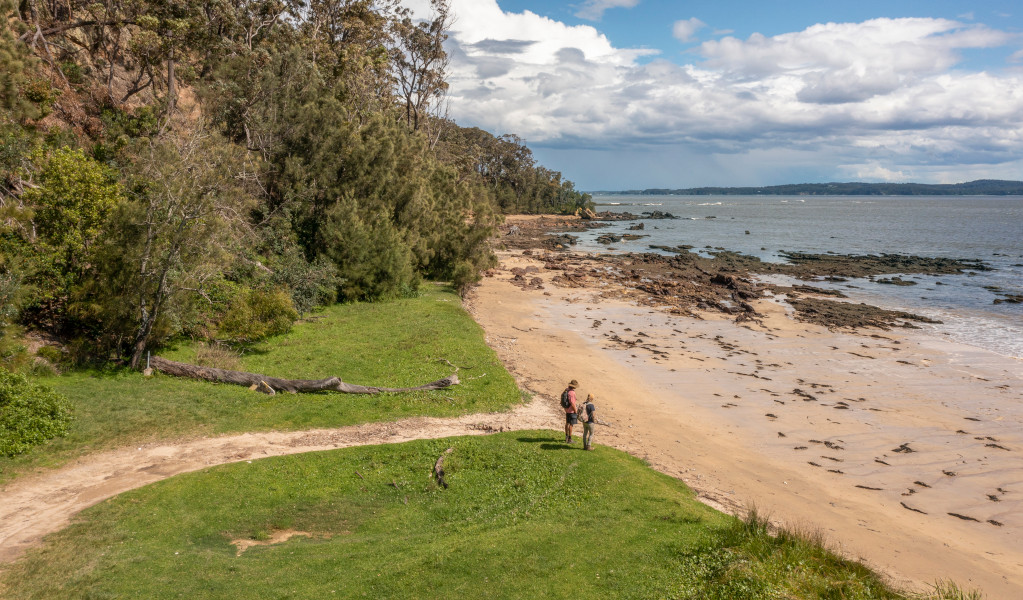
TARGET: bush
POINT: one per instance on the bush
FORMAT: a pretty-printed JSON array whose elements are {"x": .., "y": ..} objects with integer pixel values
[
  {"x": 258, "y": 314},
  {"x": 30, "y": 414}
]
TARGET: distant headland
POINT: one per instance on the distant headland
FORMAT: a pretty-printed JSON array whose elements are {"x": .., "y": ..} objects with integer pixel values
[{"x": 981, "y": 187}]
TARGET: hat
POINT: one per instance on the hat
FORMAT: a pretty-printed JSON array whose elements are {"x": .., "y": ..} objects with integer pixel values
[{"x": 573, "y": 383}]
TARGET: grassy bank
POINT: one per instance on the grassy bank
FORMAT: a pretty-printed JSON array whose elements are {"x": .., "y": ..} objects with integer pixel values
[
  {"x": 392, "y": 344},
  {"x": 524, "y": 517}
]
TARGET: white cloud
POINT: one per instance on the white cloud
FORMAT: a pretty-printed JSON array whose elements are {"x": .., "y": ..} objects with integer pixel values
[
  {"x": 874, "y": 172},
  {"x": 888, "y": 90},
  {"x": 593, "y": 10},
  {"x": 901, "y": 45},
  {"x": 685, "y": 29}
]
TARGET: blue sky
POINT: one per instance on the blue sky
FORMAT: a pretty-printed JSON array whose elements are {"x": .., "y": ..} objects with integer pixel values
[{"x": 631, "y": 94}]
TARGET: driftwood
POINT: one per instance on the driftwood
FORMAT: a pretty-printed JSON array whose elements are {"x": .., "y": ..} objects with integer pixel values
[{"x": 333, "y": 384}]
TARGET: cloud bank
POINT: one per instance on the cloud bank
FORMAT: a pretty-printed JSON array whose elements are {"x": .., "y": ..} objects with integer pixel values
[
  {"x": 593, "y": 10},
  {"x": 886, "y": 97}
]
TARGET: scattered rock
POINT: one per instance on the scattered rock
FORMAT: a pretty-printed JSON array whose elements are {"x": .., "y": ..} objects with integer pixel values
[{"x": 895, "y": 281}]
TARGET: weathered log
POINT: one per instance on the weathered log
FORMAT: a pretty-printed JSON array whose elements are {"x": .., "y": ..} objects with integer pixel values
[{"x": 332, "y": 384}]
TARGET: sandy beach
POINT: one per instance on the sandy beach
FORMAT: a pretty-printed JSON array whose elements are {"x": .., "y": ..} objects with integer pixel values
[{"x": 904, "y": 450}]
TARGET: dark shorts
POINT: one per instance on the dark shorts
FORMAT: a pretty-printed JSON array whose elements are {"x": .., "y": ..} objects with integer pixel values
[{"x": 571, "y": 418}]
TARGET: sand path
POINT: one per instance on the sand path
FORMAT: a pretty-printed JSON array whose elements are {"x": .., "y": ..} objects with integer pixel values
[
  {"x": 33, "y": 506},
  {"x": 903, "y": 449}
]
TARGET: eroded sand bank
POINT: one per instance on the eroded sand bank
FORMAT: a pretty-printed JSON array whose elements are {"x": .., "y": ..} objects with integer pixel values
[{"x": 903, "y": 449}]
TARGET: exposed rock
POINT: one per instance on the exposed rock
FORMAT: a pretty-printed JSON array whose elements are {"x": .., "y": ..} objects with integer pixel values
[
  {"x": 895, "y": 281},
  {"x": 559, "y": 242}
]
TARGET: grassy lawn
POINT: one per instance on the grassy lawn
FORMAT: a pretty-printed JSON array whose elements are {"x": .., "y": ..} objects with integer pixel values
[
  {"x": 524, "y": 517},
  {"x": 391, "y": 344}
]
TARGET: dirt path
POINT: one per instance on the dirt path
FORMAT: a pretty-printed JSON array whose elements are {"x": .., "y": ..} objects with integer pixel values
[{"x": 34, "y": 506}]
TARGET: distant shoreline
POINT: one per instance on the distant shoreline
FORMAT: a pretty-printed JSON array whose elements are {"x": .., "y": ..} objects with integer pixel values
[{"x": 982, "y": 187}]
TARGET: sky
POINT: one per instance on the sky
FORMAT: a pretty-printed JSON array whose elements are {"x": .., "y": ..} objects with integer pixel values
[{"x": 637, "y": 94}]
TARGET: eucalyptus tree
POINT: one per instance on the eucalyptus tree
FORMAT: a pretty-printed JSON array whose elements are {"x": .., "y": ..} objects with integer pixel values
[{"x": 420, "y": 64}]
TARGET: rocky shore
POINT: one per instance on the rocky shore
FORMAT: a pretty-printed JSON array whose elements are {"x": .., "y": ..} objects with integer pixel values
[{"x": 718, "y": 280}]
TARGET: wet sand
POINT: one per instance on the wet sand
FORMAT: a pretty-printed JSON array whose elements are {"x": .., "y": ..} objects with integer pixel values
[{"x": 903, "y": 449}]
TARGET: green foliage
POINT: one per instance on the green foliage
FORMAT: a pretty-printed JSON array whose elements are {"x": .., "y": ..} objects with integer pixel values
[
  {"x": 13, "y": 353},
  {"x": 949, "y": 590},
  {"x": 74, "y": 72},
  {"x": 69, "y": 202},
  {"x": 30, "y": 414},
  {"x": 140, "y": 122},
  {"x": 170, "y": 240},
  {"x": 257, "y": 314},
  {"x": 72, "y": 197},
  {"x": 15, "y": 150},
  {"x": 507, "y": 169},
  {"x": 23, "y": 95},
  {"x": 12, "y": 293},
  {"x": 10, "y": 289},
  {"x": 52, "y": 354},
  {"x": 372, "y": 258},
  {"x": 750, "y": 561}
]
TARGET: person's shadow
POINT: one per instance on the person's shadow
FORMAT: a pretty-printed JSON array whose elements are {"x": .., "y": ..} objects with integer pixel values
[{"x": 547, "y": 443}]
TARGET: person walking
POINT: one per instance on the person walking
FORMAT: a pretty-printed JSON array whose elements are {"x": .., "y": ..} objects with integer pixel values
[
  {"x": 569, "y": 403},
  {"x": 589, "y": 420}
]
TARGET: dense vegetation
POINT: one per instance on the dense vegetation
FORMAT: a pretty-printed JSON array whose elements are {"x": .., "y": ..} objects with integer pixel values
[
  {"x": 524, "y": 516},
  {"x": 981, "y": 187},
  {"x": 215, "y": 170},
  {"x": 30, "y": 414}
]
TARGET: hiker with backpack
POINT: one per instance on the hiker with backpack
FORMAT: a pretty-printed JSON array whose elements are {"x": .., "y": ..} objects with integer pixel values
[
  {"x": 589, "y": 420},
  {"x": 568, "y": 402}
]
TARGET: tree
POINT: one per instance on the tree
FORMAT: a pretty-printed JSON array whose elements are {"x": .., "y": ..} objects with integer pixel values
[
  {"x": 420, "y": 63},
  {"x": 71, "y": 196},
  {"x": 173, "y": 238}
]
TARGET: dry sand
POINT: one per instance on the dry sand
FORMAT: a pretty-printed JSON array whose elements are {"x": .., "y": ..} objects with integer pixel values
[{"x": 903, "y": 449}]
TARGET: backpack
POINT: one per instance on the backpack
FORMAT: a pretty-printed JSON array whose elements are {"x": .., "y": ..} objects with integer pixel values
[{"x": 565, "y": 401}]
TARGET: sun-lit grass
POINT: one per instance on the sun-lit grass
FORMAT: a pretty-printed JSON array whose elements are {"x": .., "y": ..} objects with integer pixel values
[
  {"x": 524, "y": 517},
  {"x": 403, "y": 343}
]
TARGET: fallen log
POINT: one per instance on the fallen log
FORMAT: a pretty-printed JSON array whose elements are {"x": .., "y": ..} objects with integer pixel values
[{"x": 332, "y": 384}]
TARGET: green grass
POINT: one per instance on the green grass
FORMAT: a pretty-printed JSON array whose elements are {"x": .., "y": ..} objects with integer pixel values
[
  {"x": 391, "y": 344},
  {"x": 524, "y": 517}
]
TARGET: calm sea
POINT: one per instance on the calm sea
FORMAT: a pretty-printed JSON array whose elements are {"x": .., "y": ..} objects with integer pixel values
[{"x": 983, "y": 227}]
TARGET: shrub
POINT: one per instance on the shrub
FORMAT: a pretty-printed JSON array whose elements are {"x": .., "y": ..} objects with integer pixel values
[
  {"x": 30, "y": 414},
  {"x": 258, "y": 314}
]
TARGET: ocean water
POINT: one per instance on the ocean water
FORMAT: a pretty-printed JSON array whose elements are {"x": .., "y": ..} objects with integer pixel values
[{"x": 988, "y": 228}]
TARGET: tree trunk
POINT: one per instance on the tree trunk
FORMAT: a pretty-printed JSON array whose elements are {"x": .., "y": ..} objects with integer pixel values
[
  {"x": 333, "y": 384},
  {"x": 172, "y": 87}
]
